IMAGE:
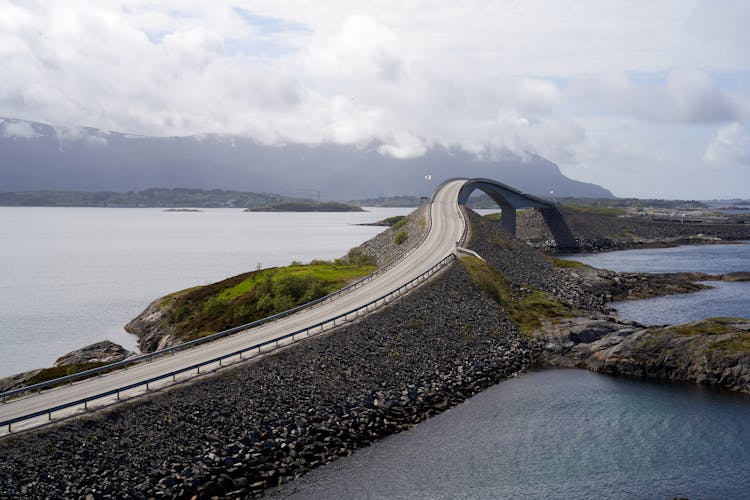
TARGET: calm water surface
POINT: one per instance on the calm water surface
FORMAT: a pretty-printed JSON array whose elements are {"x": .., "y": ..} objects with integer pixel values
[
  {"x": 557, "y": 434},
  {"x": 725, "y": 299},
  {"x": 73, "y": 276}
]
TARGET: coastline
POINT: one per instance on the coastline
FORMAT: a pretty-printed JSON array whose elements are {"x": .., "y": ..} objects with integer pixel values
[{"x": 307, "y": 404}]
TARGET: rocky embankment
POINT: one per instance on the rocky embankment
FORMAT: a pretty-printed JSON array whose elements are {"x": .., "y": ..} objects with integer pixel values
[
  {"x": 258, "y": 424},
  {"x": 596, "y": 233},
  {"x": 384, "y": 248}
]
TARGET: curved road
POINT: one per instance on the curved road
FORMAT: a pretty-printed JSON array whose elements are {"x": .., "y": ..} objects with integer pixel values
[{"x": 447, "y": 227}]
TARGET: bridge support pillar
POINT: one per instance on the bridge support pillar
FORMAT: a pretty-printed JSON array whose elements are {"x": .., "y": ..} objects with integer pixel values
[{"x": 508, "y": 219}]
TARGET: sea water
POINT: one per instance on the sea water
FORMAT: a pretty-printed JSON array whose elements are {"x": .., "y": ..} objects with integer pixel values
[
  {"x": 724, "y": 299},
  {"x": 70, "y": 277},
  {"x": 567, "y": 434}
]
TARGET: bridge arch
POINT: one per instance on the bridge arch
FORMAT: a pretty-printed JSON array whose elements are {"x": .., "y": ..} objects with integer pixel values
[{"x": 510, "y": 199}]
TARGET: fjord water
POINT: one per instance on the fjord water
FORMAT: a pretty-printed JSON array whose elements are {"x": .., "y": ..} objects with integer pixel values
[
  {"x": 73, "y": 276},
  {"x": 725, "y": 299},
  {"x": 557, "y": 434}
]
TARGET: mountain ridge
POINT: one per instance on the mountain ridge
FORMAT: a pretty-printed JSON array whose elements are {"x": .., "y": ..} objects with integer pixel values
[{"x": 38, "y": 156}]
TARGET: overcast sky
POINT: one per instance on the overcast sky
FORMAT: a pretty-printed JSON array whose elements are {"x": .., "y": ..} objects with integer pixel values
[{"x": 647, "y": 98}]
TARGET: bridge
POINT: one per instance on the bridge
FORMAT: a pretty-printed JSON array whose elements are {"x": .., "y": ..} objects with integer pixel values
[{"x": 35, "y": 405}]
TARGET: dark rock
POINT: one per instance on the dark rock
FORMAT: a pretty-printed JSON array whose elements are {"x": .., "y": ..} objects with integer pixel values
[{"x": 101, "y": 352}]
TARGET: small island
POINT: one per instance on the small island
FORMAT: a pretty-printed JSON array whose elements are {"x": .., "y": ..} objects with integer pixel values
[{"x": 307, "y": 206}]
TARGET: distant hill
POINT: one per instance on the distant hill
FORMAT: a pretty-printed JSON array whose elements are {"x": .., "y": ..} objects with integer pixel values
[
  {"x": 36, "y": 156},
  {"x": 307, "y": 206},
  {"x": 154, "y": 197}
]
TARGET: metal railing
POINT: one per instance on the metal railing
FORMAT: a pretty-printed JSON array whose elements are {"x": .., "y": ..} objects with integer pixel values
[
  {"x": 315, "y": 328},
  {"x": 462, "y": 240},
  {"x": 4, "y": 396}
]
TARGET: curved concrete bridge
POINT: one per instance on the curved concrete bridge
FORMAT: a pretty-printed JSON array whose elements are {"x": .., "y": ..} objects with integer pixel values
[
  {"x": 508, "y": 199},
  {"x": 446, "y": 230}
]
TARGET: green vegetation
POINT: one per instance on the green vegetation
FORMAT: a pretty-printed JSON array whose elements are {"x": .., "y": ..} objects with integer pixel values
[
  {"x": 711, "y": 326},
  {"x": 61, "y": 371},
  {"x": 251, "y": 296},
  {"x": 398, "y": 221},
  {"x": 154, "y": 197},
  {"x": 496, "y": 217},
  {"x": 306, "y": 206},
  {"x": 730, "y": 337},
  {"x": 355, "y": 256},
  {"x": 565, "y": 263},
  {"x": 526, "y": 310},
  {"x": 400, "y": 237},
  {"x": 736, "y": 343},
  {"x": 395, "y": 222}
]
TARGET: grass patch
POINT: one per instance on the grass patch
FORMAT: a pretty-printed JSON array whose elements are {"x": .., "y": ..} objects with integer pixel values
[
  {"x": 494, "y": 217},
  {"x": 565, "y": 263},
  {"x": 527, "y": 310},
  {"x": 61, "y": 371},
  {"x": 737, "y": 343},
  {"x": 400, "y": 237},
  {"x": 248, "y": 297},
  {"x": 711, "y": 326},
  {"x": 397, "y": 221}
]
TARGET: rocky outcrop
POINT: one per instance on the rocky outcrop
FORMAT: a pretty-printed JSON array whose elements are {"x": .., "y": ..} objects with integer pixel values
[
  {"x": 152, "y": 331},
  {"x": 17, "y": 381},
  {"x": 711, "y": 352},
  {"x": 105, "y": 351},
  {"x": 95, "y": 354}
]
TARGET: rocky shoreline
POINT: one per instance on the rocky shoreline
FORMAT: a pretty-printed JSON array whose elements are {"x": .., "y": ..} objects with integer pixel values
[
  {"x": 256, "y": 425},
  {"x": 713, "y": 352}
]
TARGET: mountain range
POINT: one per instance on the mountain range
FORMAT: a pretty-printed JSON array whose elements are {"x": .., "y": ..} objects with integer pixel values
[{"x": 38, "y": 156}]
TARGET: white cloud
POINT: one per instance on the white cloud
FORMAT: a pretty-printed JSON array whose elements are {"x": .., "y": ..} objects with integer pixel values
[
  {"x": 522, "y": 76},
  {"x": 729, "y": 147},
  {"x": 18, "y": 130},
  {"x": 681, "y": 96}
]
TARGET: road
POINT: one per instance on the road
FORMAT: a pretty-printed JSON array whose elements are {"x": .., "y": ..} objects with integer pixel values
[{"x": 447, "y": 227}]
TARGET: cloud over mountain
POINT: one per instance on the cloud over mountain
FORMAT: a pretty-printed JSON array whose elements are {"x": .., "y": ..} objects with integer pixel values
[{"x": 525, "y": 77}]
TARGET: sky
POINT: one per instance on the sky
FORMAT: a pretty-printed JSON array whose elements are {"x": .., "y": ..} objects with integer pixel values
[{"x": 649, "y": 98}]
